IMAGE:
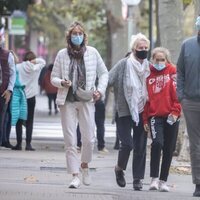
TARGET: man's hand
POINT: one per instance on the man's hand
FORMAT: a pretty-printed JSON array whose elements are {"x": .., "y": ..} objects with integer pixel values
[
  {"x": 6, "y": 95},
  {"x": 96, "y": 95}
]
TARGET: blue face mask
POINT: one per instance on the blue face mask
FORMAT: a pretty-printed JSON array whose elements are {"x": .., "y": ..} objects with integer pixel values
[
  {"x": 159, "y": 67},
  {"x": 77, "y": 39}
]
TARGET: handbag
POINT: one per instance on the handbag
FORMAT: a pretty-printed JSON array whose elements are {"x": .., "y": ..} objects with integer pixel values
[{"x": 84, "y": 95}]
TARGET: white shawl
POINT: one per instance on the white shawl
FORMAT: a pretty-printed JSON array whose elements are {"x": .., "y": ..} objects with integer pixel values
[{"x": 135, "y": 84}]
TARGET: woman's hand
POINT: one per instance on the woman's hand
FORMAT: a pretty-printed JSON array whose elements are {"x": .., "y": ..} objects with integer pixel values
[
  {"x": 96, "y": 95},
  {"x": 6, "y": 95},
  {"x": 66, "y": 83},
  {"x": 33, "y": 61}
]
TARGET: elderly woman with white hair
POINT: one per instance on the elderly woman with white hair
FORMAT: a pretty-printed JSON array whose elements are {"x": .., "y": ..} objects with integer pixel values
[{"x": 128, "y": 78}]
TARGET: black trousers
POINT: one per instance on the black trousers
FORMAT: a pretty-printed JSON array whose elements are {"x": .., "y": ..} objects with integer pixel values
[
  {"x": 7, "y": 126},
  {"x": 3, "y": 110},
  {"x": 29, "y": 123},
  {"x": 100, "y": 120},
  {"x": 164, "y": 138},
  {"x": 52, "y": 98},
  {"x": 137, "y": 142}
]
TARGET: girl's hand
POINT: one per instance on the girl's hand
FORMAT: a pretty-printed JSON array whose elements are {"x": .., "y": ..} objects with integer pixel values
[{"x": 146, "y": 127}]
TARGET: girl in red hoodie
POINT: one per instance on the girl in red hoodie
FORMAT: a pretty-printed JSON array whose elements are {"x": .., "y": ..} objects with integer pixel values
[{"x": 161, "y": 116}]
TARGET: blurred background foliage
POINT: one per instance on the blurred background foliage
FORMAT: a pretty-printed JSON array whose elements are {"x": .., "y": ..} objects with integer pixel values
[{"x": 53, "y": 17}]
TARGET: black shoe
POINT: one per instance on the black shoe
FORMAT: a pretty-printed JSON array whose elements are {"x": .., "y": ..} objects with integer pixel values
[
  {"x": 116, "y": 147},
  {"x": 17, "y": 147},
  {"x": 120, "y": 178},
  {"x": 137, "y": 184},
  {"x": 29, "y": 148},
  {"x": 197, "y": 191},
  {"x": 7, "y": 145}
]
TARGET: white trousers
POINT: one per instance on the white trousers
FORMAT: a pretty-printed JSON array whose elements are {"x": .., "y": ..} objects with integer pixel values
[{"x": 71, "y": 114}]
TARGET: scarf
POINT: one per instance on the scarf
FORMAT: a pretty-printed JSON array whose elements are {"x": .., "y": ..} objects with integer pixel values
[
  {"x": 77, "y": 67},
  {"x": 134, "y": 84},
  {"x": 76, "y": 53},
  {"x": 77, "y": 74}
]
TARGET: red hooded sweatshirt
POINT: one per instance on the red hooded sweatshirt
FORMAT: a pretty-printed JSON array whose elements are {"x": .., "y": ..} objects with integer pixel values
[{"x": 161, "y": 86}]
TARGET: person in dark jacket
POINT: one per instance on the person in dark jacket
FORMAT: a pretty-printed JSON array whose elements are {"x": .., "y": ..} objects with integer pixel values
[
  {"x": 188, "y": 91},
  {"x": 51, "y": 91},
  {"x": 7, "y": 81}
]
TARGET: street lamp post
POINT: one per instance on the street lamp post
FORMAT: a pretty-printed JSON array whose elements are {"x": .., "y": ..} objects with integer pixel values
[
  {"x": 130, "y": 17},
  {"x": 131, "y": 24},
  {"x": 150, "y": 25}
]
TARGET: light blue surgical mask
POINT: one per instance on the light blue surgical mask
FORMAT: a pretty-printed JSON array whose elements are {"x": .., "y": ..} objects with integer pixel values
[
  {"x": 77, "y": 39},
  {"x": 159, "y": 66}
]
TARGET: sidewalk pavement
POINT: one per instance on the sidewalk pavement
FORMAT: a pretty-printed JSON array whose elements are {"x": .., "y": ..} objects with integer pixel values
[{"x": 41, "y": 175}]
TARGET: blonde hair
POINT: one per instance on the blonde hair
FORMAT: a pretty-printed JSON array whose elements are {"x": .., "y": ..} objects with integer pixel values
[
  {"x": 16, "y": 59},
  {"x": 135, "y": 39},
  {"x": 161, "y": 50}
]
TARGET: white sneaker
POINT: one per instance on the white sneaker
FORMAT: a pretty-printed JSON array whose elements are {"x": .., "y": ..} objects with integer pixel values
[
  {"x": 75, "y": 183},
  {"x": 154, "y": 184},
  {"x": 86, "y": 179},
  {"x": 163, "y": 186}
]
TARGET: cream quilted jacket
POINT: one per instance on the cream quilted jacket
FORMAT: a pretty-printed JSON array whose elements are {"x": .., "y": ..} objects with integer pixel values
[{"x": 94, "y": 67}]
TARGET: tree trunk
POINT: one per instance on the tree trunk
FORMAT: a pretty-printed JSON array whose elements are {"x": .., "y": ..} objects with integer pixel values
[
  {"x": 170, "y": 21},
  {"x": 184, "y": 151},
  {"x": 197, "y": 7},
  {"x": 170, "y": 29}
]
